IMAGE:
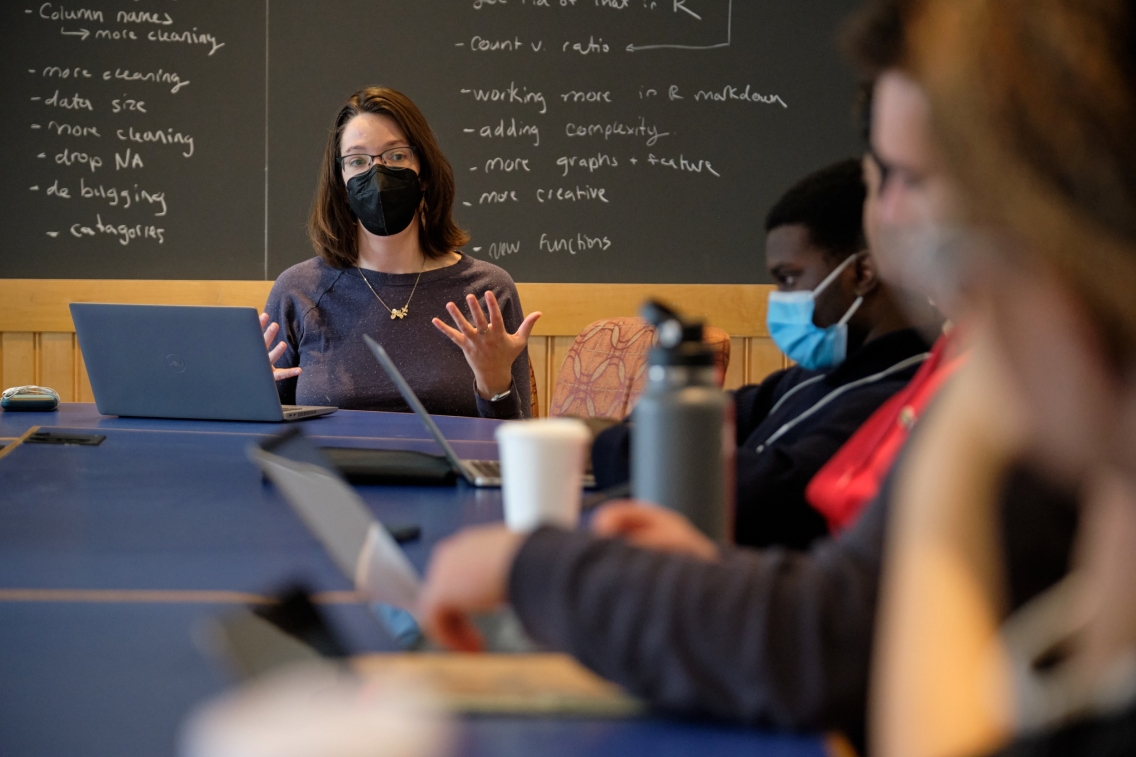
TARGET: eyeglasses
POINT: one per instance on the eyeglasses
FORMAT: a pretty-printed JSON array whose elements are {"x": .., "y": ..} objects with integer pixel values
[
  {"x": 885, "y": 170},
  {"x": 395, "y": 157}
]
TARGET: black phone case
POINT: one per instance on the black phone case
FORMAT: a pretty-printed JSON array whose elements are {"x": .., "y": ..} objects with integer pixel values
[
  {"x": 390, "y": 466},
  {"x": 29, "y": 403}
]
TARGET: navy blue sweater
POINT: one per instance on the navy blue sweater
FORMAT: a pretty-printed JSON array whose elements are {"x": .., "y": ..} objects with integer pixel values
[
  {"x": 324, "y": 312},
  {"x": 823, "y": 409}
]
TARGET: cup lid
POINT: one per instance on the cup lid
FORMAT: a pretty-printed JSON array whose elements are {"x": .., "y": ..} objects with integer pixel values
[{"x": 547, "y": 428}]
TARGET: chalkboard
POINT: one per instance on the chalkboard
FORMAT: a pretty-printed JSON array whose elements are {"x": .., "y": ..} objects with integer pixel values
[{"x": 592, "y": 140}]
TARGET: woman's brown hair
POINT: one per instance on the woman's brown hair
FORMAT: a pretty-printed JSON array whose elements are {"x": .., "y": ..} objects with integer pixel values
[
  {"x": 332, "y": 226},
  {"x": 1035, "y": 104}
]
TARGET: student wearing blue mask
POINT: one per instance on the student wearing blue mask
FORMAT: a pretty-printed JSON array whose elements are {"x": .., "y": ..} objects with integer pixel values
[{"x": 854, "y": 344}]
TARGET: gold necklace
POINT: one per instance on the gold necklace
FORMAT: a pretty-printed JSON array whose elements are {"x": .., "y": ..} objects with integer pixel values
[{"x": 401, "y": 312}]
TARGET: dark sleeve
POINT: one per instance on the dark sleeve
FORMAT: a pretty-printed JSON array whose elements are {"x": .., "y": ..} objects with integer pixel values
[
  {"x": 1038, "y": 524},
  {"x": 774, "y": 638},
  {"x": 611, "y": 456},
  {"x": 518, "y": 404},
  {"x": 611, "y": 449},
  {"x": 1109, "y": 735},
  {"x": 752, "y": 404},
  {"x": 282, "y": 309},
  {"x": 771, "y": 504},
  {"x": 511, "y": 408}
]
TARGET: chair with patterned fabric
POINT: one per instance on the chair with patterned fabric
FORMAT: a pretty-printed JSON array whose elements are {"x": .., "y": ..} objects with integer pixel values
[{"x": 605, "y": 369}]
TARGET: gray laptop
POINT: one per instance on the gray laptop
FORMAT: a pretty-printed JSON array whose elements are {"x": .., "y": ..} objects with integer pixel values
[
  {"x": 477, "y": 472},
  {"x": 180, "y": 361},
  {"x": 357, "y": 542}
]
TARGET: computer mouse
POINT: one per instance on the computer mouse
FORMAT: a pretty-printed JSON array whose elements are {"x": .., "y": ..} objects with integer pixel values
[{"x": 35, "y": 398}]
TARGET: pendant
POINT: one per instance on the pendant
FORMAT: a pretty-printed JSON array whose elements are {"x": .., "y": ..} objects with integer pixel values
[{"x": 399, "y": 312}]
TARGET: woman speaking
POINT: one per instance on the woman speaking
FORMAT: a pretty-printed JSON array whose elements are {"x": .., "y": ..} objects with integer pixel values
[{"x": 389, "y": 265}]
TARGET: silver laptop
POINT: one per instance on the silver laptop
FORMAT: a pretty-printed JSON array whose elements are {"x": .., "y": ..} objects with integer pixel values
[
  {"x": 477, "y": 472},
  {"x": 358, "y": 543},
  {"x": 180, "y": 361}
]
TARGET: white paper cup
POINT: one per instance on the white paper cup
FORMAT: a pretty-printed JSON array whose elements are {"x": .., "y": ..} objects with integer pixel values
[{"x": 542, "y": 470}]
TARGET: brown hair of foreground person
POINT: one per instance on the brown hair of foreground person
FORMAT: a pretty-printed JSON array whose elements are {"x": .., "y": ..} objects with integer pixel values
[
  {"x": 1035, "y": 106},
  {"x": 1034, "y": 103}
]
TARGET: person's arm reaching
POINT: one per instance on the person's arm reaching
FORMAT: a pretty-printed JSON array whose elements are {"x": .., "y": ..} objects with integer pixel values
[{"x": 775, "y": 637}]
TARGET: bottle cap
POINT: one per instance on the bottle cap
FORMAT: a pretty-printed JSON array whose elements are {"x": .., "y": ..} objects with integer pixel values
[{"x": 679, "y": 341}]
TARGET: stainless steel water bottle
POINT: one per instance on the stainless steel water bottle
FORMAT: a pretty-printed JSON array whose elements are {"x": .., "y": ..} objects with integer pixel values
[{"x": 682, "y": 440}]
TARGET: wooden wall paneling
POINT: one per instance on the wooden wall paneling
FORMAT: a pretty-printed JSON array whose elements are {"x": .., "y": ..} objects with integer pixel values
[
  {"x": 736, "y": 370},
  {"x": 37, "y": 344},
  {"x": 19, "y": 357},
  {"x": 550, "y": 368},
  {"x": 538, "y": 358},
  {"x": 739, "y": 309},
  {"x": 41, "y": 304},
  {"x": 57, "y": 363},
  {"x": 764, "y": 359},
  {"x": 86, "y": 394},
  {"x": 549, "y": 373}
]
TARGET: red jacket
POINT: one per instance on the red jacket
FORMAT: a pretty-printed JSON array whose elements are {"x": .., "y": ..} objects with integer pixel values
[{"x": 852, "y": 477}]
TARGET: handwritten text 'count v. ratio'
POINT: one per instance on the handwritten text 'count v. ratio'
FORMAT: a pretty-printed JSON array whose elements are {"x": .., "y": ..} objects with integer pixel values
[{"x": 616, "y": 5}]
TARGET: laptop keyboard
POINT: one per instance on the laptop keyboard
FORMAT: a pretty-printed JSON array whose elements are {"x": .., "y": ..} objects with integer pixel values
[{"x": 485, "y": 468}]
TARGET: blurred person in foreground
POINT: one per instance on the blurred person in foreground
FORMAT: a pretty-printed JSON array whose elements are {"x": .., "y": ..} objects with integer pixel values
[
  {"x": 767, "y": 637},
  {"x": 1035, "y": 104}
]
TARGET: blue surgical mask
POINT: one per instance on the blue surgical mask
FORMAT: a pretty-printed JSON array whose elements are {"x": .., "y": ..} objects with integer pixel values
[{"x": 790, "y": 321}]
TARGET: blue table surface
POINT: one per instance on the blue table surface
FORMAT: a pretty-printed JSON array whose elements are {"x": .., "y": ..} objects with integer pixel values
[{"x": 171, "y": 506}]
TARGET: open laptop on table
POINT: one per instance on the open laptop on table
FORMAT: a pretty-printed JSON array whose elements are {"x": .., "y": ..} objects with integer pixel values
[
  {"x": 358, "y": 543},
  {"x": 477, "y": 472},
  {"x": 180, "y": 361}
]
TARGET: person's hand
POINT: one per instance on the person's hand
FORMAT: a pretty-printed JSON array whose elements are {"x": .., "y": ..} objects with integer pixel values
[
  {"x": 653, "y": 527},
  {"x": 489, "y": 349},
  {"x": 468, "y": 573},
  {"x": 274, "y": 353}
]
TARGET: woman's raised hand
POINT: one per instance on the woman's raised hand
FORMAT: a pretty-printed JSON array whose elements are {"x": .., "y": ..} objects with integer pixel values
[
  {"x": 274, "y": 353},
  {"x": 489, "y": 349}
]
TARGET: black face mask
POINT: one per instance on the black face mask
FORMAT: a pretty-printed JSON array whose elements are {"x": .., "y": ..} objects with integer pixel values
[{"x": 384, "y": 199}]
